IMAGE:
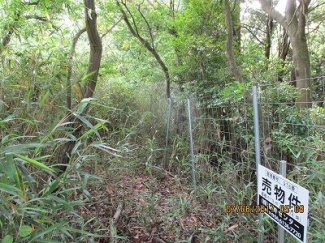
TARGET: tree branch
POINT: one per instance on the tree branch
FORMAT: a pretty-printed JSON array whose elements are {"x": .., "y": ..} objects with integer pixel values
[
  {"x": 268, "y": 8},
  {"x": 302, "y": 16},
  {"x": 314, "y": 7},
  {"x": 70, "y": 60},
  {"x": 95, "y": 48},
  {"x": 7, "y": 38},
  {"x": 146, "y": 44},
  {"x": 291, "y": 13},
  {"x": 32, "y": 3},
  {"x": 125, "y": 16},
  {"x": 134, "y": 31},
  {"x": 112, "y": 27},
  {"x": 252, "y": 33},
  {"x": 149, "y": 27},
  {"x": 40, "y": 18}
]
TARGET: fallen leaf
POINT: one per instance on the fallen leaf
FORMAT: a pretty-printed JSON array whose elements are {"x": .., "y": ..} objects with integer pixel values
[
  {"x": 231, "y": 228},
  {"x": 139, "y": 186}
]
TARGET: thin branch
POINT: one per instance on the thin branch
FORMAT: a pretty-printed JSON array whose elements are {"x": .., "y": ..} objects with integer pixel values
[
  {"x": 234, "y": 7},
  {"x": 313, "y": 8},
  {"x": 253, "y": 27},
  {"x": 112, "y": 27},
  {"x": 252, "y": 33},
  {"x": 43, "y": 19},
  {"x": 146, "y": 44},
  {"x": 117, "y": 213},
  {"x": 32, "y": 3},
  {"x": 319, "y": 18},
  {"x": 71, "y": 54},
  {"x": 7, "y": 38},
  {"x": 316, "y": 28},
  {"x": 127, "y": 9},
  {"x": 149, "y": 28},
  {"x": 40, "y": 18}
]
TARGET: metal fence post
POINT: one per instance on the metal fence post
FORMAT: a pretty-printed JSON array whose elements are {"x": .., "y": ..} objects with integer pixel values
[
  {"x": 257, "y": 154},
  {"x": 167, "y": 132},
  {"x": 191, "y": 142},
  {"x": 283, "y": 172}
]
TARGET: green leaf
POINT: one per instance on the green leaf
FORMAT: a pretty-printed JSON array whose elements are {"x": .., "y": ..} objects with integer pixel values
[
  {"x": 47, "y": 230},
  {"x": 8, "y": 239},
  {"x": 28, "y": 176},
  {"x": 75, "y": 148},
  {"x": 51, "y": 187},
  {"x": 71, "y": 229},
  {"x": 8, "y": 166},
  {"x": 83, "y": 104},
  {"x": 106, "y": 148},
  {"x": 35, "y": 162},
  {"x": 4, "y": 212},
  {"x": 25, "y": 230},
  {"x": 44, "y": 98},
  {"x": 49, "y": 241},
  {"x": 88, "y": 124},
  {"x": 87, "y": 76},
  {"x": 97, "y": 127},
  {"x": 9, "y": 189},
  {"x": 61, "y": 202},
  {"x": 8, "y": 118},
  {"x": 20, "y": 148}
]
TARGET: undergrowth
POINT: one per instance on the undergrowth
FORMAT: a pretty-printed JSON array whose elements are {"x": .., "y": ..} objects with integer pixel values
[{"x": 119, "y": 158}]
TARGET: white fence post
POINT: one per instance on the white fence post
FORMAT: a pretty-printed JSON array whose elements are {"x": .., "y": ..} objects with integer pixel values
[
  {"x": 167, "y": 132},
  {"x": 257, "y": 154},
  {"x": 191, "y": 142},
  {"x": 283, "y": 172}
]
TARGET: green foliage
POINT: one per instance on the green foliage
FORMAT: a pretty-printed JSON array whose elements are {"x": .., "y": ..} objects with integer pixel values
[
  {"x": 126, "y": 121},
  {"x": 8, "y": 239}
]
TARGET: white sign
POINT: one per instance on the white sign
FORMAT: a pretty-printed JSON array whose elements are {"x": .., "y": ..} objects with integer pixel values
[{"x": 286, "y": 202}]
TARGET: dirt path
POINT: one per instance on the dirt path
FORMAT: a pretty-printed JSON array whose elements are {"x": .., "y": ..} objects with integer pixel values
[{"x": 158, "y": 210}]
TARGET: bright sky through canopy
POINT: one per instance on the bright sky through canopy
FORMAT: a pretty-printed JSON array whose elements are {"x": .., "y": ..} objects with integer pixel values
[{"x": 255, "y": 4}]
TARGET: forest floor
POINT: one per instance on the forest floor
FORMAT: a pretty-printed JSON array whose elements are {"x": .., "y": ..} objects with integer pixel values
[{"x": 158, "y": 209}]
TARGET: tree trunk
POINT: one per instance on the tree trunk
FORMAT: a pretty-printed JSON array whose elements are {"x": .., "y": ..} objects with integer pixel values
[
  {"x": 236, "y": 26},
  {"x": 284, "y": 47},
  {"x": 229, "y": 43},
  {"x": 302, "y": 70},
  {"x": 95, "y": 43},
  {"x": 294, "y": 22},
  {"x": 269, "y": 30},
  {"x": 96, "y": 48}
]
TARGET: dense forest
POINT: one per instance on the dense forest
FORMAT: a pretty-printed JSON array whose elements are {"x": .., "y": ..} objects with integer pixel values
[{"x": 141, "y": 120}]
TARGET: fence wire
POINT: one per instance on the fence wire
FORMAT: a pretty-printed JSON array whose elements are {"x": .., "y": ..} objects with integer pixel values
[
  {"x": 223, "y": 135},
  {"x": 295, "y": 132}
]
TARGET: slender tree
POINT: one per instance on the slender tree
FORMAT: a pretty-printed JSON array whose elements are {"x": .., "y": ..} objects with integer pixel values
[
  {"x": 95, "y": 56},
  {"x": 148, "y": 44}
]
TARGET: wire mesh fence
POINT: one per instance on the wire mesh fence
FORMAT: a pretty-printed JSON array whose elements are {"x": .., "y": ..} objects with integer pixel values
[
  {"x": 295, "y": 132},
  {"x": 223, "y": 138}
]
